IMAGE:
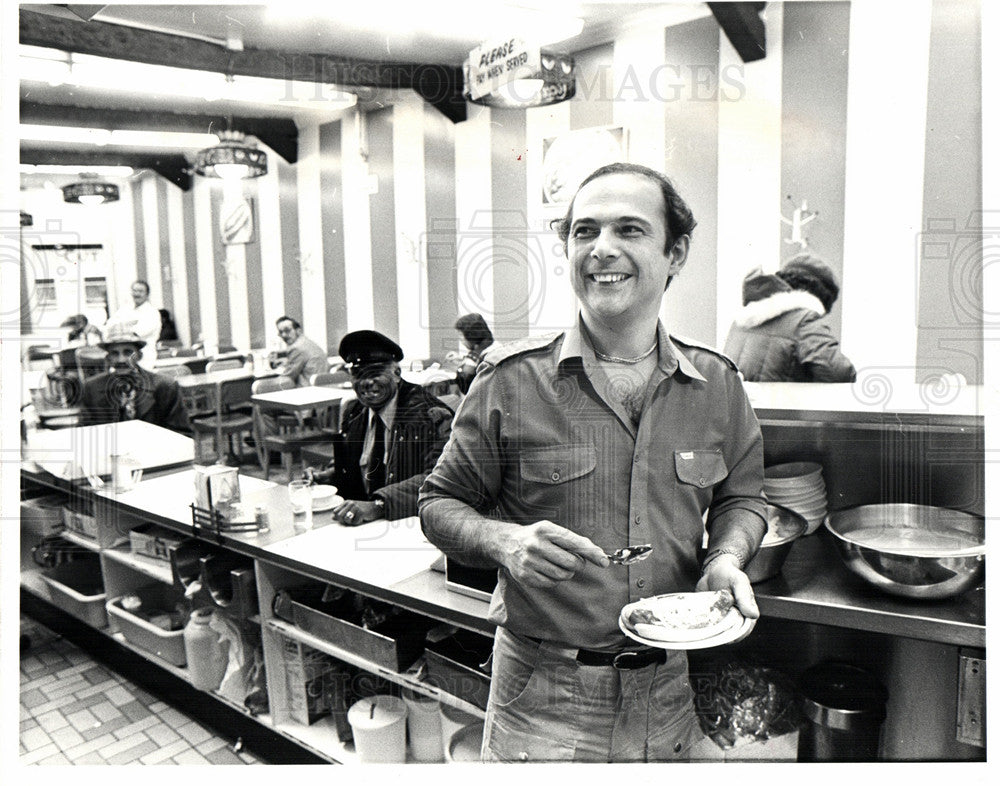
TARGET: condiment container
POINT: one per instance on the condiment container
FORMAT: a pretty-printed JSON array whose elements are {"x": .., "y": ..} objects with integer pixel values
[
  {"x": 206, "y": 653},
  {"x": 466, "y": 744},
  {"x": 423, "y": 724},
  {"x": 452, "y": 719},
  {"x": 379, "y": 727}
]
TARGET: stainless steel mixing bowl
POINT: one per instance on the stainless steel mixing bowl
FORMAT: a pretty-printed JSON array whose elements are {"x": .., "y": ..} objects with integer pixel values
[
  {"x": 916, "y": 551},
  {"x": 784, "y": 527}
]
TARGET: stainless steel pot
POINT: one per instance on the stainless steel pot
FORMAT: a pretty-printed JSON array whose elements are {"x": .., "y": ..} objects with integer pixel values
[{"x": 915, "y": 551}]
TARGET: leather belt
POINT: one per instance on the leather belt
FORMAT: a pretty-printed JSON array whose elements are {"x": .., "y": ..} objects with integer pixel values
[{"x": 623, "y": 661}]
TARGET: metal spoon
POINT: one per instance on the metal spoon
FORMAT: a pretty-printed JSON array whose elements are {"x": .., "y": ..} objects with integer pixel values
[{"x": 629, "y": 554}]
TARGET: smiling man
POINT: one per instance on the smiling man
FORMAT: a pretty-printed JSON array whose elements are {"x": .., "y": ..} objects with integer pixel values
[
  {"x": 392, "y": 434},
  {"x": 611, "y": 434}
]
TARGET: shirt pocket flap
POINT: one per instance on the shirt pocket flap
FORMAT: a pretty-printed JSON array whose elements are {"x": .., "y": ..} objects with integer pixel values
[
  {"x": 700, "y": 467},
  {"x": 558, "y": 464}
]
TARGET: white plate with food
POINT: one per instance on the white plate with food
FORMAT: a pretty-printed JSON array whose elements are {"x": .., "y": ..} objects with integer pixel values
[{"x": 685, "y": 620}]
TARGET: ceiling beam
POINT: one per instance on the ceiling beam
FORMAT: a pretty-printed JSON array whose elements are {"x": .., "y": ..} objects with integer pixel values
[
  {"x": 173, "y": 166},
  {"x": 440, "y": 85},
  {"x": 279, "y": 134},
  {"x": 743, "y": 27}
]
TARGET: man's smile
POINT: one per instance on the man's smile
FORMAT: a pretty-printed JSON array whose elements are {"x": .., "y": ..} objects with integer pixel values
[{"x": 608, "y": 278}]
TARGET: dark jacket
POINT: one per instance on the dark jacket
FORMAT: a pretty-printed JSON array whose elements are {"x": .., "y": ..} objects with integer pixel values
[
  {"x": 419, "y": 432},
  {"x": 158, "y": 401},
  {"x": 781, "y": 335}
]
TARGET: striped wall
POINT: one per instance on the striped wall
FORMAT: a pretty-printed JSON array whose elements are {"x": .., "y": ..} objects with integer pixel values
[{"x": 401, "y": 220}]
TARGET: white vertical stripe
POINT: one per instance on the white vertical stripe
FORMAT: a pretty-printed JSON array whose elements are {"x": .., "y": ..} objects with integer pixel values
[
  {"x": 357, "y": 229},
  {"x": 411, "y": 226},
  {"x": 991, "y": 196},
  {"x": 749, "y": 170},
  {"x": 121, "y": 252},
  {"x": 554, "y": 307},
  {"x": 203, "y": 231},
  {"x": 884, "y": 181},
  {"x": 638, "y": 57},
  {"x": 473, "y": 198},
  {"x": 151, "y": 238},
  {"x": 178, "y": 261},
  {"x": 311, "y": 235},
  {"x": 272, "y": 270},
  {"x": 236, "y": 271}
]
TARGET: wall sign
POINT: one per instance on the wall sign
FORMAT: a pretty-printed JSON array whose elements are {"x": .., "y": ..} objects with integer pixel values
[
  {"x": 568, "y": 158},
  {"x": 236, "y": 223},
  {"x": 495, "y": 63}
]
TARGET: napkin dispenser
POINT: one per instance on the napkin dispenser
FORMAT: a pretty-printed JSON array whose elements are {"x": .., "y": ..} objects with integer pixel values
[{"x": 216, "y": 486}]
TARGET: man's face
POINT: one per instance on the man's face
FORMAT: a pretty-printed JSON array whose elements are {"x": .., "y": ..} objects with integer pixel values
[
  {"x": 375, "y": 383},
  {"x": 139, "y": 294},
  {"x": 617, "y": 248},
  {"x": 288, "y": 332},
  {"x": 121, "y": 358}
]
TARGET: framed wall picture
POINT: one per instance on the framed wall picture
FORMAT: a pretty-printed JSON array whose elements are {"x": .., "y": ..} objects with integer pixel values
[
  {"x": 236, "y": 221},
  {"x": 568, "y": 158}
]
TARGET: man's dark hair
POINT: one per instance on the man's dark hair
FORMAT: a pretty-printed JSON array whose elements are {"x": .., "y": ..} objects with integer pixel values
[
  {"x": 144, "y": 283},
  {"x": 295, "y": 322},
  {"x": 679, "y": 219}
]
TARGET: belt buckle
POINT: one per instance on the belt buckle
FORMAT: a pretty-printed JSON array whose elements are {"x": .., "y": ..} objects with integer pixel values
[{"x": 625, "y": 661}]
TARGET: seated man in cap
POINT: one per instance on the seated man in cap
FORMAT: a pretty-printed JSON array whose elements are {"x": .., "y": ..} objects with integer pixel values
[
  {"x": 126, "y": 391},
  {"x": 391, "y": 438}
]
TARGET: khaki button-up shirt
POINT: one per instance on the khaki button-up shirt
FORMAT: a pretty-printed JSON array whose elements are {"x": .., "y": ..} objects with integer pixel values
[{"x": 539, "y": 437}]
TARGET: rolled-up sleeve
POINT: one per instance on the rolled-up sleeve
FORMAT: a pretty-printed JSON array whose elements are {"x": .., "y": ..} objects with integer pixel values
[
  {"x": 470, "y": 467},
  {"x": 743, "y": 487}
]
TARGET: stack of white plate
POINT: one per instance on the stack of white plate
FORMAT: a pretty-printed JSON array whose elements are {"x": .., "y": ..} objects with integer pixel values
[{"x": 798, "y": 486}]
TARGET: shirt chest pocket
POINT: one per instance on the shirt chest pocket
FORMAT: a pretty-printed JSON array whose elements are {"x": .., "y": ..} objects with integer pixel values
[
  {"x": 701, "y": 468},
  {"x": 557, "y": 465}
]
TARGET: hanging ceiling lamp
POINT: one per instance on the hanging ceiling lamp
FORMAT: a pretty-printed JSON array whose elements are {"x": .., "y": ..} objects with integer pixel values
[
  {"x": 90, "y": 191},
  {"x": 514, "y": 75},
  {"x": 234, "y": 158}
]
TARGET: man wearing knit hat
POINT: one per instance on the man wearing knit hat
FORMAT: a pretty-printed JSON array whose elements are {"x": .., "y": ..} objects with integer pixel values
[{"x": 781, "y": 333}]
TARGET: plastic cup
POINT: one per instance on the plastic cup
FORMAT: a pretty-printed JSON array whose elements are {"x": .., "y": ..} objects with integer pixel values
[
  {"x": 423, "y": 723},
  {"x": 379, "y": 727},
  {"x": 300, "y": 497}
]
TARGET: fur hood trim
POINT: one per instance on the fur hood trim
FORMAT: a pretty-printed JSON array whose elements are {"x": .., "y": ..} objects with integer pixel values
[{"x": 760, "y": 311}]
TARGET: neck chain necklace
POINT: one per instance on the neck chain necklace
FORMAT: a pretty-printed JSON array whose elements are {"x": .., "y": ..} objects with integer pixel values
[{"x": 625, "y": 361}]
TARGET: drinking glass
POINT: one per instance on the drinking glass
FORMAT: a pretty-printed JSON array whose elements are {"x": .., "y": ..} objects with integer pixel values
[{"x": 300, "y": 495}]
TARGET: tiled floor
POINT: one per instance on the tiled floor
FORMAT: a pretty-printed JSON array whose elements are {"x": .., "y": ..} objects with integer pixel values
[{"x": 75, "y": 710}]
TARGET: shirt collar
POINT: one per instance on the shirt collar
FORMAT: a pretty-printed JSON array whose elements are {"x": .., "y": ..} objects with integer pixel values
[{"x": 671, "y": 359}]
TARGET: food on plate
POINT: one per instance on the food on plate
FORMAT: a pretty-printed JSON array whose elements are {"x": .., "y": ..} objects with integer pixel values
[{"x": 683, "y": 616}]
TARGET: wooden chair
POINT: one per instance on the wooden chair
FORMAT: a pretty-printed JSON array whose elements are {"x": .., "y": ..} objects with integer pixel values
[
  {"x": 184, "y": 352},
  {"x": 227, "y": 420},
  {"x": 174, "y": 371},
  {"x": 222, "y": 364},
  {"x": 89, "y": 361},
  {"x": 331, "y": 379},
  {"x": 291, "y": 435}
]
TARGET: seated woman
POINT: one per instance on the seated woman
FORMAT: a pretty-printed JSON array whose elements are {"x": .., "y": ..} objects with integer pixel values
[
  {"x": 781, "y": 333},
  {"x": 477, "y": 338}
]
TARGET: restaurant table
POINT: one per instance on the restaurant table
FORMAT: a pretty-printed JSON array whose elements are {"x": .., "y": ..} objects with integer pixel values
[
  {"x": 201, "y": 391},
  {"x": 298, "y": 402}
]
